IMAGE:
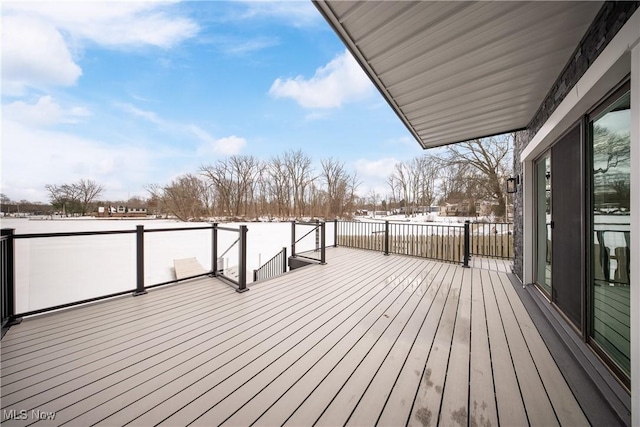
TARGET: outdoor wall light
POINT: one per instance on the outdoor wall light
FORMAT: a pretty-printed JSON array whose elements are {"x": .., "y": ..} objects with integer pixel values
[{"x": 512, "y": 184}]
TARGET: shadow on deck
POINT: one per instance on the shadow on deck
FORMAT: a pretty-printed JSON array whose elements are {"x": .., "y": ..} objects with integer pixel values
[{"x": 364, "y": 339}]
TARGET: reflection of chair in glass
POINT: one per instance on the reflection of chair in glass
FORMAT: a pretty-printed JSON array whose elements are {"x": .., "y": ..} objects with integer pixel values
[
  {"x": 622, "y": 271},
  {"x": 601, "y": 262}
]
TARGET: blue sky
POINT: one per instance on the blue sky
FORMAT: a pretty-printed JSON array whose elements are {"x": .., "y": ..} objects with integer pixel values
[{"x": 131, "y": 94}]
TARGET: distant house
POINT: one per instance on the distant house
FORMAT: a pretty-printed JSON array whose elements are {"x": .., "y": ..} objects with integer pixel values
[
  {"x": 464, "y": 208},
  {"x": 121, "y": 211}
]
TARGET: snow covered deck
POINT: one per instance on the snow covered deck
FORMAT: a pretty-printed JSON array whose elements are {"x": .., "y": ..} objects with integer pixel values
[{"x": 366, "y": 338}]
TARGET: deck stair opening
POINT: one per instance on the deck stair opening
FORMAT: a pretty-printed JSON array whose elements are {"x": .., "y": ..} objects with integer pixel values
[{"x": 187, "y": 267}]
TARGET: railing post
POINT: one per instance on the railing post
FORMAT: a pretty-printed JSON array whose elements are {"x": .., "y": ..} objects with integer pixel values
[
  {"x": 317, "y": 233},
  {"x": 284, "y": 259},
  {"x": 293, "y": 239},
  {"x": 214, "y": 249},
  {"x": 386, "y": 237},
  {"x": 335, "y": 233},
  {"x": 139, "y": 261},
  {"x": 9, "y": 303},
  {"x": 466, "y": 245},
  {"x": 255, "y": 275},
  {"x": 323, "y": 259},
  {"x": 242, "y": 273}
]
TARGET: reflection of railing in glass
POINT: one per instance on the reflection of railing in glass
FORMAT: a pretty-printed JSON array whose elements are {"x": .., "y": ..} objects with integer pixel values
[{"x": 612, "y": 256}]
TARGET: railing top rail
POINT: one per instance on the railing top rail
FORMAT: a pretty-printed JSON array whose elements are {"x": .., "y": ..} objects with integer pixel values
[
  {"x": 308, "y": 223},
  {"x": 404, "y": 223},
  {"x": 492, "y": 223},
  {"x": 237, "y": 230},
  {"x": 71, "y": 234},
  {"x": 155, "y": 230},
  {"x": 106, "y": 232}
]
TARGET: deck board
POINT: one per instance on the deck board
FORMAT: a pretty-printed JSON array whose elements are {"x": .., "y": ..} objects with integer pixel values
[
  {"x": 171, "y": 360},
  {"x": 215, "y": 366},
  {"x": 482, "y": 402},
  {"x": 539, "y": 409},
  {"x": 454, "y": 408},
  {"x": 426, "y": 404},
  {"x": 362, "y": 340},
  {"x": 565, "y": 405},
  {"x": 509, "y": 401},
  {"x": 375, "y": 397}
]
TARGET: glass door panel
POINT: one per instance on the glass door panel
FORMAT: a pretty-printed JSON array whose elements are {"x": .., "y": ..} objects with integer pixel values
[
  {"x": 543, "y": 224},
  {"x": 611, "y": 230}
]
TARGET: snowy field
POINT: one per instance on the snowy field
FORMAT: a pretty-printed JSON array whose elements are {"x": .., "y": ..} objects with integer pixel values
[
  {"x": 57, "y": 270},
  {"x": 439, "y": 224}
]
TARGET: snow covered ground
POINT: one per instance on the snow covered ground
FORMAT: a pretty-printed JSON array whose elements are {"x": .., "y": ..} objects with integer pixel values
[{"x": 432, "y": 218}]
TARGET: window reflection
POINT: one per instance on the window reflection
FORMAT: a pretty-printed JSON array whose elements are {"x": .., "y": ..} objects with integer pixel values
[{"x": 611, "y": 186}]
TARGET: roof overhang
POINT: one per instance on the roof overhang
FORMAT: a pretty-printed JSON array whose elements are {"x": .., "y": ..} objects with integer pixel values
[{"x": 455, "y": 71}]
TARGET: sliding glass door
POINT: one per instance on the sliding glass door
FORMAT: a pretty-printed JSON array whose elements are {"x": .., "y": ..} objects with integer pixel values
[
  {"x": 543, "y": 223},
  {"x": 610, "y": 228}
]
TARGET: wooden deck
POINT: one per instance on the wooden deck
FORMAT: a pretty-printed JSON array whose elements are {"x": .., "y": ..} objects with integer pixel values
[
  {"x": 495, "y": 264},
  {"x": 365, "y": 339}
]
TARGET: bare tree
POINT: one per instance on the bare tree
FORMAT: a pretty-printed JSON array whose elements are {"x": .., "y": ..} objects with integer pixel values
[
  {"x": 87, "y": 191},
  {"x": 395, "y": 188},
  {"x": 489, "y": 158},
  {"x": 403, "y": 178},
  {"x": 453, "y": 181},
  {"x": 76, "y": 197},
  {"x": 234, "y": 180},
  {"x": 340, "y": 187},
  {"x": 184, "y": 197},
  {"x": 426, "y": 170},
  {"x": 299, "y": 172},
  {"x": 374, "y": 196},
  {"x": 279, "y": 186}
]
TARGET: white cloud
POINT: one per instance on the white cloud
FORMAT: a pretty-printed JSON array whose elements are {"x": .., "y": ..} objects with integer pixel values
[
  {"x": 295, "y": 13},
  {"x": 375, "y": 168},
  {"x": 234, "y": 46},
  {"x": 42, "y": 40},
  {"x": 32, "y": 158},
  {"x": 148, "y": 115},
  {"x": 44, "y": 112},
  {"x": 339, "y": 82},
  {"x": 227, "y": 146},
  {"x": 230, "y": 145},
  {"x": 34, "y": 54},
  {"x": 374, "y": 174},
  {"x": 113, "y": 24}
]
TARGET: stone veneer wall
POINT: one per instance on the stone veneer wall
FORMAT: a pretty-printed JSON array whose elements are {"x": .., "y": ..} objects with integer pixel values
[{"x": 605, "y": 26}]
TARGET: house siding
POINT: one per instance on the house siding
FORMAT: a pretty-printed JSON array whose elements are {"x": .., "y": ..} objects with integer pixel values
[{"x": 610, "y": 19}]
